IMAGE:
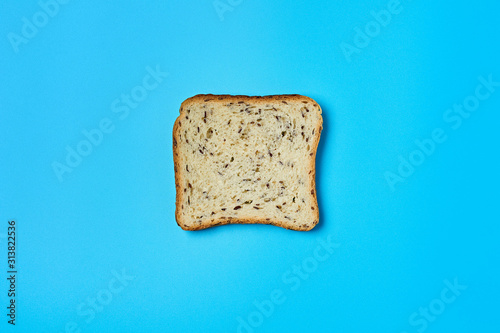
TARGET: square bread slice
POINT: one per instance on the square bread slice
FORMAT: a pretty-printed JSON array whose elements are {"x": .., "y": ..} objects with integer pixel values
[{"x": 246, "y": 159}]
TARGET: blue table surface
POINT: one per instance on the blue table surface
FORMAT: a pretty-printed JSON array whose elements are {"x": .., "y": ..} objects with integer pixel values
[{"x": 407, "y": 167}]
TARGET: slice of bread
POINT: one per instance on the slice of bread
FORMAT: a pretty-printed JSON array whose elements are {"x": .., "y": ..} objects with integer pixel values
[{"x": 246, "y": 159}]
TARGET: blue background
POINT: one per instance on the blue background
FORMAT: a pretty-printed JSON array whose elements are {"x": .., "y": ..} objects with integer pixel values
[{"x": 115, "y": 210}]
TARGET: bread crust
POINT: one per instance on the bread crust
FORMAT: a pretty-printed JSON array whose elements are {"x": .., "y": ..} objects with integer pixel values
[{"x": 202, "y": 98}]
